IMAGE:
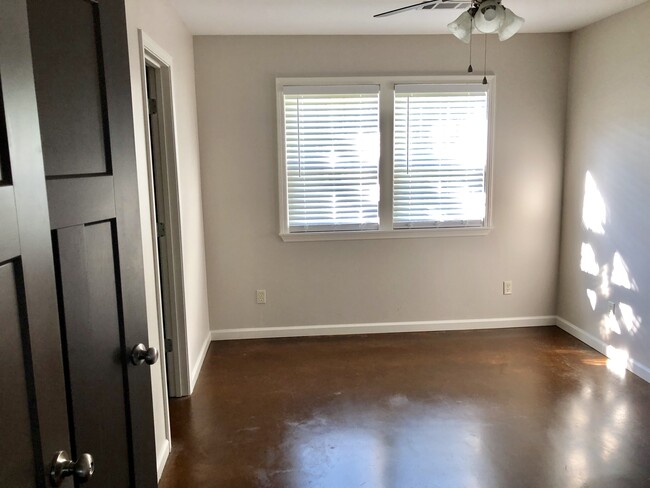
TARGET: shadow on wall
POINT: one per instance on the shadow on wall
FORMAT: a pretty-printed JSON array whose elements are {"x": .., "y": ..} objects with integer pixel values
[{"x": 610, "y": 287}]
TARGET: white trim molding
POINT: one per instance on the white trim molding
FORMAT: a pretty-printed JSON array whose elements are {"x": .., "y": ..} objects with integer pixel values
[
  {"x": 634, "y": 366},
  {"x": 599, "y": 345},
  {"x": 177, "y": 366},
  {"x": 385, "y": 87},
  {"x": 385, "y": 234},
  {"x": 380, "y": 328},
  {"x": 196, "y": 370},
  {"x": 162, "y": 457}
]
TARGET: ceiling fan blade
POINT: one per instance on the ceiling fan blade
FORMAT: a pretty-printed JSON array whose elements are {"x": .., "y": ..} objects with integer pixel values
[{"x": 415, "y": 6}]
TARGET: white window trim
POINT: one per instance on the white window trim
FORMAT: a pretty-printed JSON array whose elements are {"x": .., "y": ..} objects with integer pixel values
[{"x": 386, "y": 99}]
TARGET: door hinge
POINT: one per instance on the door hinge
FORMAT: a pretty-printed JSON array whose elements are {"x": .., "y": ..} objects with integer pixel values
[
  {"x": 161, "y": 229},
  {"x": 153, "y": 106},
  {"x": 169, "y": 346}
]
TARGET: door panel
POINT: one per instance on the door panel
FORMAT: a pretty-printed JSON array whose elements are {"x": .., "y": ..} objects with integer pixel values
[
  {"x": 34, "y": 415},
  {"x": 63, "y": 108},
  {"x": 86, "y": 267},
  {"x": 17, "y": 450},
  {"x": 74, "y": 201}
]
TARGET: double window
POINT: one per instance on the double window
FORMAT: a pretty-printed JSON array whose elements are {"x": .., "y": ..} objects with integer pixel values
[{"x": 368, "y": 158}]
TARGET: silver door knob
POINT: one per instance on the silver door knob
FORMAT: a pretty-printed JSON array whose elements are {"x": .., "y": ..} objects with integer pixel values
[
  {"x": 140, "y": 354},
  {"x": 62, "y": 467}
]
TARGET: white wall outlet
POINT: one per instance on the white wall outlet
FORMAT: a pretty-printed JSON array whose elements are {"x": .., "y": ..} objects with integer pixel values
[
  {"x": 507, "y": 287},
  {"x": 612, "y": 308},
  {"x": 261, "y": 296}
]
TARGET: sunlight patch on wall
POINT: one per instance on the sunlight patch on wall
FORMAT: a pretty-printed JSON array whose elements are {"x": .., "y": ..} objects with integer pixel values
[
  {"x": 593, "y": 298},
  {"x": 588, "y": 262},
  {"x": 631, "y": 321},
  {"x": 612, "y": 272},
  {"x": 604, "y": 282},
  {"x": 609, "y": 324},
  {"x": 594, "y": 210},
  {"x": 621, "y": 273},
  {"x": 617, "y": 360}
]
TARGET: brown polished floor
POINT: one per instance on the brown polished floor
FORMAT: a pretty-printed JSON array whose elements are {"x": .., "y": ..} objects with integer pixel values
[{"x": 477, "y": 409}]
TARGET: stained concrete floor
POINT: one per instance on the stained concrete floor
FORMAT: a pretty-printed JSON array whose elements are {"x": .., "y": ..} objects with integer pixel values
[{"x": 475, "y": 409}]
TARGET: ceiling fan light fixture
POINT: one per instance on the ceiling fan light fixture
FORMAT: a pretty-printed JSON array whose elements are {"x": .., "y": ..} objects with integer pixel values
[
  {"x": 462, "y": 27},
  {"x": 489, "y": 16},
  {"x": 510, "y": 25}
]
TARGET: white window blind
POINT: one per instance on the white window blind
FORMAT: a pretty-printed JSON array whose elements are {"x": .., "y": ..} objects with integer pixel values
[
  {"x": 440, "y": 156},
  {"x": 331, "y": 141}
]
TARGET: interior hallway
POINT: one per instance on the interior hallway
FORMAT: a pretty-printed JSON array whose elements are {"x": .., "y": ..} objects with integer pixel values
[{"x": 496, "y": 408}]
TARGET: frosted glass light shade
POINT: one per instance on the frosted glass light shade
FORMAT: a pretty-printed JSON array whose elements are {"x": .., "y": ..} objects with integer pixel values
[
  {"x": 489, "y": 17},
  {"x": 510, "y": 25},
  {"x": 462, "y": 27}
]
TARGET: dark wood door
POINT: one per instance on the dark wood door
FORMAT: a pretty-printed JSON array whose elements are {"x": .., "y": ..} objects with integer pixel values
[
  {"x": 85, "y": 261},
  {"x": 33, "y": 415},
  {"x": 81, "y": 73}
]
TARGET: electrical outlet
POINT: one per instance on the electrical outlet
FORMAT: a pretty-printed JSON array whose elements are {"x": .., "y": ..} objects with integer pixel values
[
  {"x": 612, "y": 308},
  {"x": 507, "y": 287},
  {"x": 261, "y": 297}
]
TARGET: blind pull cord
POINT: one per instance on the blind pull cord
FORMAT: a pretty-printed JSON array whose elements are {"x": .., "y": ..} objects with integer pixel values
[
  {"x": 485, "y": 63},
  {"x": 299, "y": 143},
  {"x": 470, "y": 69},
  {"x": 408, "y": 132}
]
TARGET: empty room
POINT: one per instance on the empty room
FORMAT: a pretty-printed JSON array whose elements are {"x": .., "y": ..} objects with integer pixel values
[{"x": 325, "y": 244}]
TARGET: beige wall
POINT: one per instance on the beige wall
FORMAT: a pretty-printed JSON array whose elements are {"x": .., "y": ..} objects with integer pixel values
[
  {"x": 608, "y": 138},
  {"x": 392, "y": 280},
  {"x": 161, "y": 23}
]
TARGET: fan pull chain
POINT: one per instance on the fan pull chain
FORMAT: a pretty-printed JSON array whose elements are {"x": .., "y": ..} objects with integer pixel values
[
  {"x": 470, "y": 69},
  {"x": 485, "y": 63}
]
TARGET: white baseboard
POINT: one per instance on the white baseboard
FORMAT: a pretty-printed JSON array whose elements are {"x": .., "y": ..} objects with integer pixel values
[
  {"x": 380, "y": 328},
  {"x": 194, "y": 375},
  {"x": 163, "y": 455},
  {"x": 633, "y": 365},
  {"x": 599, "y": 345}
]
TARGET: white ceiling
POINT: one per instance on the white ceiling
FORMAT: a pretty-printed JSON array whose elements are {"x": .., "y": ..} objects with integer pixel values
[{"x": 326, "y": 17}]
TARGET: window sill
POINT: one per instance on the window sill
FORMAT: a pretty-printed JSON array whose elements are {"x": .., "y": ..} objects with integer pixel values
[{"x": 385, "y": 234}]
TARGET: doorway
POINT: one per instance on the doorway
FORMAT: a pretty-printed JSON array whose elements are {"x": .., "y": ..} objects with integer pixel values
[{"x": 165, "y": 215}]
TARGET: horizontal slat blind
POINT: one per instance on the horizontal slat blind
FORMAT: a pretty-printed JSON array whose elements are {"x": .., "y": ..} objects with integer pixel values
[
  {"x": 332, "y": 158},
  {"x": 440, "y": 156}
]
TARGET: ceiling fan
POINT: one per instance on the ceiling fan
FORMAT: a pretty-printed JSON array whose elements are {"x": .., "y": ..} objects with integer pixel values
[{"x": 486, "y": 16}]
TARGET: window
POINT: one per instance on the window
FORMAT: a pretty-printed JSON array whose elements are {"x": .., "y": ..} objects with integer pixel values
[
  {"x": 331, "y": 139},
  {"x": 343, "y": 178},
  {"x": 439, "y": 156}
]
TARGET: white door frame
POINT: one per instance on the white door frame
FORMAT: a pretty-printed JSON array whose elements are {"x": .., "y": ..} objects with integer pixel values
[{"x": 177, "y": 382}]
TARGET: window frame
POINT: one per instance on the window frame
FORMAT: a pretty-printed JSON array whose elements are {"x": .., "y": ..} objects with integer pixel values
[
  {"x": 355, "y": 208},
  {"x": 386, "y": 113}
]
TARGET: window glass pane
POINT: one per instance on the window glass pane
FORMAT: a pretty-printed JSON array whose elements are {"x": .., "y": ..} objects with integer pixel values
[
  {"x": 440, "y": 157},
  {"x": 332, "y": 160}
]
